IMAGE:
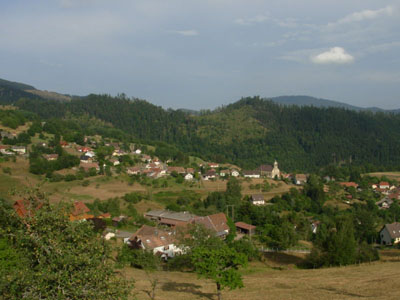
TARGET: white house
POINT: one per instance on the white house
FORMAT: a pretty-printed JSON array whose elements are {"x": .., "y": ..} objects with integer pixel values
[
  {"x": 19, "y": 149},
  {"x": 257, "y": 199},
  {"x": 188, "y": 176},
  {"x": 251, "y": 174},
  {"x": 235, "y": 173},
  {"x": 90, "y": 154},
  {"x": 390, "y": 234},
  {"x": 138, "y": 151}
]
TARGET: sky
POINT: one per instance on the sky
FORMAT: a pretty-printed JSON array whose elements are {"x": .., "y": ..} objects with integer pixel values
[{"x": 200, "y": 54}]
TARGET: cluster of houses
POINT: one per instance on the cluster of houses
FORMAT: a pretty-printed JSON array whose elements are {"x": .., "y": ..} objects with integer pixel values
[
  {"x": 162, "y": 240},
  {"x": 12, "y": 150}
]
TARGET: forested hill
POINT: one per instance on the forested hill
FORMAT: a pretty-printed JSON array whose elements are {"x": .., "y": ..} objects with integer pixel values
[{"x": 249, "y": 132}]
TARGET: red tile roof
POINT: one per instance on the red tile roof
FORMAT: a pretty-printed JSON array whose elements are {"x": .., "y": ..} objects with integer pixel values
[
  {"x": 245, "y": 226},
  {"x": 349, "y": 184},
  {"x": 80, "y": 208}
]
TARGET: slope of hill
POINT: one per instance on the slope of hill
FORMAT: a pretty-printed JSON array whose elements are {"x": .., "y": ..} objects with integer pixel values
[
  {"x": 11, "y": 92},
  {"x": 249, "y": 132}
]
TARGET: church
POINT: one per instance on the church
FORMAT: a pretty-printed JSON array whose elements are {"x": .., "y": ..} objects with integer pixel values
[{"x": 270, "y": 171}]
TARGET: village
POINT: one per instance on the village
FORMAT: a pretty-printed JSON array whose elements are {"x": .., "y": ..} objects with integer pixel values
[{"x": 160, "y": 235}]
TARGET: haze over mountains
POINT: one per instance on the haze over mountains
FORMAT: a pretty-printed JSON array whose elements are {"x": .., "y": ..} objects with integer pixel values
[{"x": 12, "y": 90}]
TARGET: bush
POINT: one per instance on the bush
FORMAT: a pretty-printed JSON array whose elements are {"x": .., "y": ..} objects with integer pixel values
[
  {"x": 7, "y": 170},
  {"x": 70, "y": 177},
  {"x": 133, "y": 197},
  {"x": 85, "y": 183}
]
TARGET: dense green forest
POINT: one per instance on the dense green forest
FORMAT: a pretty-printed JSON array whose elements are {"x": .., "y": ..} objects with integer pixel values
[{"x": 249, "y": 132}]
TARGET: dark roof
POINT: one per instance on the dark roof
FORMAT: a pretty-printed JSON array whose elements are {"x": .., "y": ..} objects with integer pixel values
[
  {"x": 257, "y": 197},
  {"x": 393, "y": 230},
  {"x": 266, "y": 168},
  {"x": 166, "y": 214}
]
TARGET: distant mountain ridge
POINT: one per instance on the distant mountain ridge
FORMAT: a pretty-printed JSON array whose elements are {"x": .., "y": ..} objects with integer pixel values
[{"x": 320, "y": 102}]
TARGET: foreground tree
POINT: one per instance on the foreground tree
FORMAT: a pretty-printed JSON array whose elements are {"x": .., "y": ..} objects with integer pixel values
[
  {"x": 220, "y": 265},
  {"x": 61, "y": 259}
]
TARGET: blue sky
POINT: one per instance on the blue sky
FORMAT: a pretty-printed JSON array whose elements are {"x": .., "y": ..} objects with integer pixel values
[{"x": 205, "y": 53}]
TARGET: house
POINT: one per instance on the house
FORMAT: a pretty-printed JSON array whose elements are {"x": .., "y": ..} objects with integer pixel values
[
  {"x": 270, "y": 171},
  {"x": 349, "y": 184},
  {"x": 50, "y": 157},
  {"x": 245, "y": 228},
  {"x": 5, "y": 149},
  {"x": 213, "y": 165},
  {"x": 64, "y": 144},
  {"x": 19, "y": 149},
  {"x": 300, "y": 179},
  {"x": 153, "y": 239},
  {"x": 257, "y": 199},
  {"x": 190, "y": 170},
  {"x": 24, "y": 208},
  {"x": 133, "y": 170},
  {"x": 384, "y": 185},
  {"x": 211, "y": 174},
  {"x": 118, "y": 220},
  {"x": 216, "y": 223},
  {"x": 235, "y": 173},
  {"x": 188, "y": 177},
  {"x": 251, "y": 174},
  {"x": 138, "y": 151},
  {"x": 6, "y": 134},
  {"x": 114, "y": 161},
  {"x": 170, "y": 218},
  {"x": 83, "y": 149},
  {"x": 224, "y": 173},
  {"x": 390, "y": 234},
  {"x": 80, "y": 212},
  {"x": 179, "y": 170},
  {"x": 385, "y": 203},
  {"x": 90, "y": 153},
  {"x": 86, "y": 159},
  {"x": 314, "y": 226}
]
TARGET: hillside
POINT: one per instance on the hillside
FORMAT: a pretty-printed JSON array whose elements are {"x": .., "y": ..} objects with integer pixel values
[
  {"x": 11, "y": 92},
  {"x": 249, "y": 132}
]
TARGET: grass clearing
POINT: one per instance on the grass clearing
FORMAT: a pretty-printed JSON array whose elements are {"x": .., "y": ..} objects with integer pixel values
[{"x": 262, "y": 282}]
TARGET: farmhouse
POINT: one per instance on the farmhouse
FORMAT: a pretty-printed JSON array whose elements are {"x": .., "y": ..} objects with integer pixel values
[
  {"x": 300, "y": 179},
  {"x": 19, "y": 149},
  {"x": 390, "y": 234},
  {"x": 235, "y": 173},
  {"x": 170, "y": 218},
  {"x": 257, "y": 199},
  {"x": 216, "y": 223},
  {"x": 159, "y": 241}
]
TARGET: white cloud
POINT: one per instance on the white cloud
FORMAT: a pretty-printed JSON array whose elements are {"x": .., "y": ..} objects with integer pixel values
[
  {"x": 186, "y": 32},
  {"x": 335, "y": 55},
  {"x": 365, "y": 15},
  {"x": 252, "y": 20}
]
